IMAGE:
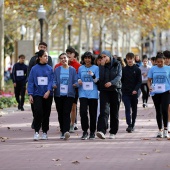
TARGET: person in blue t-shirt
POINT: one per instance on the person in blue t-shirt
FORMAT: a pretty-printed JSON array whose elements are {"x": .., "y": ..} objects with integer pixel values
[
  {"x": 159, "y": 85},
  {"x": 65, "y": 83},
  {"x": 88, "y": 75},
  {"x": 40, "y": 93}
]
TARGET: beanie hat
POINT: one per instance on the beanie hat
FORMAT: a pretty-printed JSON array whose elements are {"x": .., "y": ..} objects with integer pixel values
[{"x": 108, "y": 53}]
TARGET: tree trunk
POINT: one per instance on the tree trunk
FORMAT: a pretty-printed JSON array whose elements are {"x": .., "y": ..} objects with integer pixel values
[
  {"x": 80, "y": 34},
  {"x": 1, "y": 45}
]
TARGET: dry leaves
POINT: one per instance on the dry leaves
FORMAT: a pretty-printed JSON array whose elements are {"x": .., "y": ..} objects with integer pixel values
[
  {"x": 87, "y": 157},
  {"x": 3, "y": 139},
  {"x": 143, "y": 153},
  {"x": 56, "y": 159},
  {"x": 145, "y": 139},
  {"x": 156, "y": 150},
  {"x": 139, "y": 159},
  {"x": 75, "y": 162}
]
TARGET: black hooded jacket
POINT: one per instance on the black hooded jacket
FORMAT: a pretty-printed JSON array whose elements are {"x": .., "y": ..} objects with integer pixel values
[{"x": 110, "y": 72}]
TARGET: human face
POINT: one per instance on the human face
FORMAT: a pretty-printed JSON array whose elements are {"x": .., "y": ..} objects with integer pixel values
[
  {"x": 42, "y": 47},
  {"x": 70, "y": 56},
  {"x": 105, "y": 58},
  {"x": 87, "y": 61},
  {"x": 99, "y": 61},
  {"x": 21, "y": 60},
  {"x": 160, "y": 62},
  {"x": 64, "y": 60},
  {"x": 145, "y": 62},
  {"x": 130, "y": 61},
  {"x": 167, "y": 61},
  {"x": 44, "y": 58}
]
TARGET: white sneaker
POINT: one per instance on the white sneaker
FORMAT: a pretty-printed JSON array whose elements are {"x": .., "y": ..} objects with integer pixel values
[
  {"x": 160, "y": 134},
  {"x": 66, "y": 135},
  {"x": 100, "y": 135},
  {"x": 71, "y": 128},
  {"x": 112, "y": 136},
  {"x": 44, "y": 136},
  {"x": 61, "y": 136},
  {"x": 36, "y": 136},
  {"x": 165, "y": 134}
]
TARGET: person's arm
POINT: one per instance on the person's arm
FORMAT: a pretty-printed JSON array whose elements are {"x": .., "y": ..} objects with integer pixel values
[
  {"x": 14, "y": 74},
  {"x": 138, "y": 80}
]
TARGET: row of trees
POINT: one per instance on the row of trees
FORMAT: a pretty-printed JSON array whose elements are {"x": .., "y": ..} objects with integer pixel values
[{"x": 90, "y": 18}]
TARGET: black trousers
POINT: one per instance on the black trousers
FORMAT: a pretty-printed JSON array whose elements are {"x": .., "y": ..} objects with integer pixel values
[
  {"x": 19, "y": 91},
  {"x": 161, "y": 103},
  {"x": 91, "y": 105},
  {"x": 109, "y": 104},
  {"x": 63, "y": 107},
  {"x": 145, "y": 92},
  {"x": 42, "y": 111}
]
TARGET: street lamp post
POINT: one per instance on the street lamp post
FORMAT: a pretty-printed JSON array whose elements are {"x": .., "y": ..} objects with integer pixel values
[
  {"x": 22, "y": 31},
  {"x": 70, "y": 23},
  {"x": 41, "y": 16}
]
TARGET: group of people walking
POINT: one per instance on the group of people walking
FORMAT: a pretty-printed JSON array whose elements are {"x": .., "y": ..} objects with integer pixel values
[{"x": 100, "y": 84}]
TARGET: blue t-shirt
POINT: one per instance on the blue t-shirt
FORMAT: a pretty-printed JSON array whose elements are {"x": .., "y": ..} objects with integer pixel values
[
  {"x": 88, "y": 82},
  {"x": 64, "y": 77},
  {"x": 160, "y": 78}
]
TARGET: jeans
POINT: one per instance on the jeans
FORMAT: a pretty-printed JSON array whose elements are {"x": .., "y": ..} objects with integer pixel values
[{"x": 130, "y": 101}]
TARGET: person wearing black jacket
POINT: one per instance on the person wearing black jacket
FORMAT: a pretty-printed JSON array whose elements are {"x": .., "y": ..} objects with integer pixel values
[
  {"x": 32, "y": 62},
  {"x": 19, "y": 78},
  {"x": 110, "y": 73},
  {"x": 131, "y": 82}
]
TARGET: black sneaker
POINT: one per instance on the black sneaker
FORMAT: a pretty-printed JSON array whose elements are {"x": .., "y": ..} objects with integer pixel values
[
  {"x": 84, "y": 136},
  {"x": 19, "y": 107},
  {"x": 92, "y": 135},
  {"x": 22, "y": 109},
  {"x": 75, "y": 127},
  {"x": 129, "y": 129}
]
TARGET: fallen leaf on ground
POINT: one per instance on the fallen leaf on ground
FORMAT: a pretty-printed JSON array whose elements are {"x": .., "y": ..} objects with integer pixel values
[
  {"x": 87, "y": 157},
  {"x": 8, "y": 128},
  {"x": 56, "y": 159},
  {"x": 145, "y": 138},
  {"x": 76, "y": 162},
  {"x": 157, "y": 151},
  {"x": 143, "y": 153},
  {"x": 2, "y": 140},
  {"x": 140, "y": 159},
  {"x": 57, "y": 164},
  {"x": 159, "y": 139}
]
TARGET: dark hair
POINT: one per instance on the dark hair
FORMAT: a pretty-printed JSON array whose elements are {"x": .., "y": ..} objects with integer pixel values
[
  {"x": 144, "y": 57},
  {"x": 62, "y": 54},
  {"x": 22, "y": 55},
  {"x": 160, "y": 55},
  {"x": 40, "y": 54},
  {"x": 76, "y": 55},
  {"x": 87, "y": 54},
  {"x": 153, "y": 58},
  {"x": 166, "y": 54},
  {"x": 71, "y": 50},
  {"x": 42, "y": 43},
  {"x": 97, "y": 58},
  {"x": 130, "y": 55}
]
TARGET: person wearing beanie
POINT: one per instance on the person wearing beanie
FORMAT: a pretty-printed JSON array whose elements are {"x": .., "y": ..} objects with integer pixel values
[{"x": 110, "y": 73}]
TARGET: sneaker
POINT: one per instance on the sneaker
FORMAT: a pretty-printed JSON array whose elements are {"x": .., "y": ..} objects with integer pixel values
[
  {"x": 160, "y": 134},
  {"x": 66, "y": 135},
  {"x": 75, "y": 127},
  {"x": 144, "y": 105},
  {"x": 112, "y": 136},
  {"x": 22, "y": 109},
  {"x": 62, "y": 136},
  {"x": 71, "y": 129},
  {"x": 19, "y": 107},
  {"x": 44, "y": 136},
  {"x": 165, "y": 133},
  {"x": 100, "y": 135},
  {"x": 36, "y": 136},
  {"x": 84, "y": 136},
  {"x": 129, "y": 129},
  {"x": 92, "y": 135}
]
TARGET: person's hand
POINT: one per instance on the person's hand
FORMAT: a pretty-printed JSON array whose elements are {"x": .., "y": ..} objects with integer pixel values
[
  {"x": 108, "y": 84},
  {"x": 31, "y": 99},
  {"x": 46, "y": 95},
  {"x": 134, "y": 92},
  {"x": 90, "y": 73},
  {"x": 80, "y": 82},
  {"x": 54, "y": 87},
  {"x": 15, "y": 84},
  {"x": 103, "y": 61},
  {"x": 74, "y": 85}
]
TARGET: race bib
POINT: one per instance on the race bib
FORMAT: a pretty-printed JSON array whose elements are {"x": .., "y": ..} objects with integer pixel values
[
  {"x": 87, "y": 85},
  {"x": 20, "y": 72},
  {"x": 63, "y": 88},
  {"x": 42, "y": 81},
  {"x": 144, "y": 78},
  {"x": 159, "y": 88}
]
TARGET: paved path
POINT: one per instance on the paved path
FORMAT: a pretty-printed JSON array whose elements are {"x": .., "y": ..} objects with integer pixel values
[{"x": 130, "y": 151}]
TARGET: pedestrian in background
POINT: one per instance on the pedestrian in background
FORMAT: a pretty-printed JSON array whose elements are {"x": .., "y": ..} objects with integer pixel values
[
  {"x": 65, "y": 82},
  {"x": 40, "y": 93},
  {"x": 88, "y": 75},
  {"x": 110, "y": 73},
  {"x": 159, "y": 86},
  {"x": 144, "y": 87},
  {"x": 19, "y": 78},
  {"x": 131, "y": 82}
]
